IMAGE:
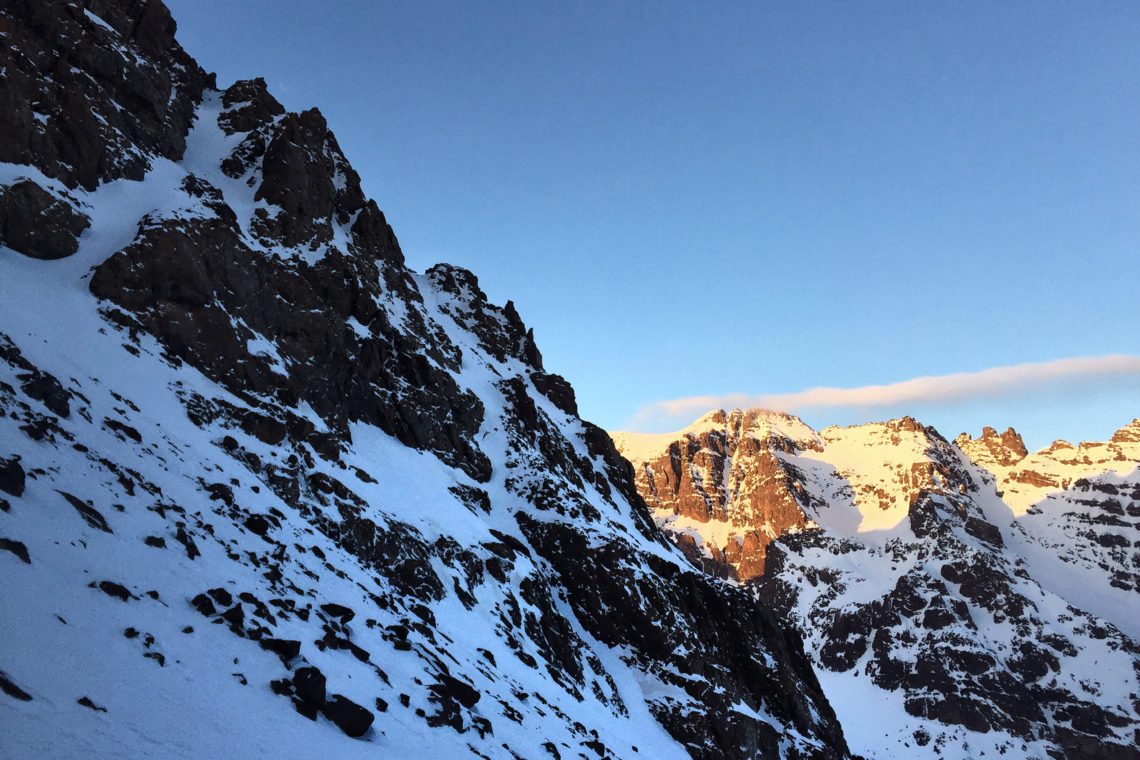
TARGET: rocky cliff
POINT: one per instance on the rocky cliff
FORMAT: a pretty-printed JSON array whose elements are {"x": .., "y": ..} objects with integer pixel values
[
  {"x": 977, "y": 625},
  {"x": 268, "y": 492}
]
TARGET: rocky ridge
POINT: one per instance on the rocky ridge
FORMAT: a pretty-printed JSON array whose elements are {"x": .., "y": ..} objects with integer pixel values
[
  {"x": 256, "y": 472},
  {"x": 915, "y": 585}
]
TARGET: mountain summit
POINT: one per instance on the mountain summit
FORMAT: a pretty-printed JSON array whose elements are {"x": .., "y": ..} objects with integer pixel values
[{"x": 983, "y": 598}]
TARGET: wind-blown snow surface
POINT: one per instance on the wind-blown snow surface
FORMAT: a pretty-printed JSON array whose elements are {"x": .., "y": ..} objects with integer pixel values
[
  {"x": 209, "y": 695},
  {"x": 249, "y": 463},
  {"x": 942, "y": 621}
]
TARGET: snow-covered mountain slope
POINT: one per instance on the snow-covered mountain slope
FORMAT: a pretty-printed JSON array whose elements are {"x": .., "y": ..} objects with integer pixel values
[
  {"x": 266, "y": 492},
  {"x": 1025, "y": 479},
  {"x": 971, "y": 629},
  {"x": 1078, "y": 515}
]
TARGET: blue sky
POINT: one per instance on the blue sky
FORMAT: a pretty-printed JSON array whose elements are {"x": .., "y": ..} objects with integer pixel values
[{"x": 699, "y": 199}]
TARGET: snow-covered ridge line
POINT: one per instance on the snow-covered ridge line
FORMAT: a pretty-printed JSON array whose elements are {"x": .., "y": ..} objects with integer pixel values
[
  {"x": 256, "y": 472},
  {"x": 956, "y": 583}
]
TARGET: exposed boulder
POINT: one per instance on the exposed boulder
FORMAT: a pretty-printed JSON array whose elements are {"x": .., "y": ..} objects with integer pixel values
[
  {"x": 309, "y": 691},
  {"x": 38, "y": 223},
  {"x": 12, "y": 477},
  {"x": 350, "y": 717}
]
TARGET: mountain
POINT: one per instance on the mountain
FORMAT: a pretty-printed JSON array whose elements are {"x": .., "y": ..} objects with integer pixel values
[
  {"x": 267, "y": 492},
  {"x": 943, "y": 620}
]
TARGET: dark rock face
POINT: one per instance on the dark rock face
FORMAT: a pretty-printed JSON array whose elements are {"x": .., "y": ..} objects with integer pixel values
[
  {"x": 99, "y": 107},
  {"x": 37, "y": 223},
  {"x": 248, "y": 105},
  {"x": 500, "y": 331},
  {"x": 961, "y": 676},
  {"x": 727, "y": 624},
  {"x": 1080, "y": 503},
  {"x": 189, "y": 281},
  {"x": 1093, "y": 524}
]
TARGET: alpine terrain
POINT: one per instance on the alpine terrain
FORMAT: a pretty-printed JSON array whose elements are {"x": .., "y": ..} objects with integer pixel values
[
  {"x": 267, "y": 492},
  {"x": 958, "y": 600}
]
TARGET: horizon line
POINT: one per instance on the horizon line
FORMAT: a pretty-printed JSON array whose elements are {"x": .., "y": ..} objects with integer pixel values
[{"x": 937, "y": 389}]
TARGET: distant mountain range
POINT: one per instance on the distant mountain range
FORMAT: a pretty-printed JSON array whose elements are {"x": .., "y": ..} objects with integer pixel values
[{"x": 961, "y": 597}]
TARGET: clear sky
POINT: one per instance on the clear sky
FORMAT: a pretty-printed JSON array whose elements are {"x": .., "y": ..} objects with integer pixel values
[{"x": 697, "y": 198}]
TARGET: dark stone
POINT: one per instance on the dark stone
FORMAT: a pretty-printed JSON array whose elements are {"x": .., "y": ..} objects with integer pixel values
[
  {"x": 86, "y": 702},
  {"x": 187, "y": 280},
  {"x": 464, "y": 693},
  {"x": 157, "y": 542},
  {"x": 91, "y": 515},
  {"x": 12, "y": 476},
  {"x": 286, "y": 649},
  {"x": 264, "y": 428},
  {"x": 123, "y": 429},
  {"x": 309, "y": 691},
  {"x": 12, "y": 690},
  {"x": 220, "y": 492},
  {"x": 299, "y": 180},
  {"x": 235, "y": 616},
  {"x": 182, "y": 537},
  {"x": 257, "y": 524},
  {"x": 37, "y": 223},
  {"x": 984, "y": 531},
  {"x": 335, "y": 610},
  {"x": 80, "y": 111},
  {"x": 221, "y": 596},
  {"x": 203, "y": 604},
  {"x": 117, "y": 590},
  {"x": 717, "y": 626},
  {"x": 16, "y": 548},
  {"x": 350, "y": 717},
  {"x": 48, "y": 390}
]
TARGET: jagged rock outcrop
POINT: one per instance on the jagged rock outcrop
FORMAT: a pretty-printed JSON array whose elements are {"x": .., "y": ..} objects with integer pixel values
[
  {"x": 733, "y": 482},
  {"x": 258, "y": 466},
  {"x": 992, "y": 449},
  {"x": 94, "y": 91},
  {"x": 37, "y": 223},
  {"x": 719, "y": 487},
  {"x": 1025, "y": 479},
  {"x": 1081, "y": 506},
  {"x": 915, "y": 585}
]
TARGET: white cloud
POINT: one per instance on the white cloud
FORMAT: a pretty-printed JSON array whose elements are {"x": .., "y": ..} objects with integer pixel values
[{"x": 961, "y": 386}]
